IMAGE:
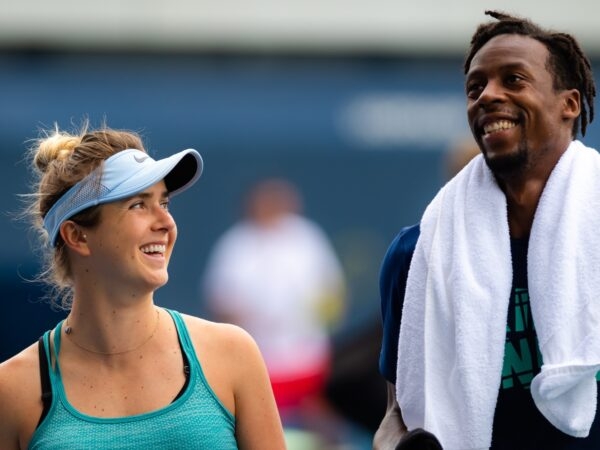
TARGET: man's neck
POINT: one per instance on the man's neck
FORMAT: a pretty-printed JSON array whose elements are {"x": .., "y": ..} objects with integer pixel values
[{"x": 523, "y": 191}]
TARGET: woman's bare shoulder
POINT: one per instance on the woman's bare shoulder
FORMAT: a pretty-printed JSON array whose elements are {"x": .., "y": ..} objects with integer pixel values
[
  {"x": 229, "y": 357},
  {"x": 16, "y": 373},
  {"x": 224, "y": 335},
  {"x": 20, "y": 395}
]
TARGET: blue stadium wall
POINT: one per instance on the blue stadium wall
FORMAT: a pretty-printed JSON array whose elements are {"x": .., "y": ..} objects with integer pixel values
[{"x": 363, "y": 138}]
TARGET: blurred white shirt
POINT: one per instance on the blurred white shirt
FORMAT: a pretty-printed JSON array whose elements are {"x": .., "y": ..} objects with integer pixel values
[{"x": 274, "y": 281}]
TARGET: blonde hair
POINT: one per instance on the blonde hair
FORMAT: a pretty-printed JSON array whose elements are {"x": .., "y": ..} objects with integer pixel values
[{"x": 60, "y": 160}]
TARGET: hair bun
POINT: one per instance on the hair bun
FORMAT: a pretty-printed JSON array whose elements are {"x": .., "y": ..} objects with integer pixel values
[{"x": 56, "y": 147}]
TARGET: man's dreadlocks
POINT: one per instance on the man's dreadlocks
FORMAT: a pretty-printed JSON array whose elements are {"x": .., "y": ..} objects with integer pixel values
[{"x": 569, "y": 66}]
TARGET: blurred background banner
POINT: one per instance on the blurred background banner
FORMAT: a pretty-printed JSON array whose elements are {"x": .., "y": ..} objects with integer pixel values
[
  {"x": 316, "y": 26},
  {"x": 354, "y": 102}
]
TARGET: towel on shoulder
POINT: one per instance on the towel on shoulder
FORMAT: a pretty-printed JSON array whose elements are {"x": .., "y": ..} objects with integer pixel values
[{"x": 453, "y": 327}]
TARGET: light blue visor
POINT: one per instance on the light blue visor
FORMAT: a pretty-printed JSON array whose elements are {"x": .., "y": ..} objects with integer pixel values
[{"x": 124, "y": 175}]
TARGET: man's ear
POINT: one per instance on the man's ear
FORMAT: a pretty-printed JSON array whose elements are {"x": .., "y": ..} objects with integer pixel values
[
  {"x": 571, "y": 104},
  {"x": 74, "y": 237}
]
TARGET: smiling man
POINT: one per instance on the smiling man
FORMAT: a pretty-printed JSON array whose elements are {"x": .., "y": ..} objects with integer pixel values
[{"x": 490, "y": 309}]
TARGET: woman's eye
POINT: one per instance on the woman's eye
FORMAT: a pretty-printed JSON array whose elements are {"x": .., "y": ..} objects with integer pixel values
[
  {"x": 137, "y": 205},
  {"x": 165, "y": 205}
]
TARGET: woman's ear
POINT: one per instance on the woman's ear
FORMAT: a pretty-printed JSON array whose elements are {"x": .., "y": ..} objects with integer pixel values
[{"x": 74, "y": 237}]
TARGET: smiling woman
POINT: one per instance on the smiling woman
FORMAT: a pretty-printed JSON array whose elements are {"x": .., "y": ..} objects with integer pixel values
[{"x": 120, "y": 369}]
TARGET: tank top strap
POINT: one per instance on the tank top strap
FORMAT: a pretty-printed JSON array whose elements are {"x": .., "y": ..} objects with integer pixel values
[
  {"x": 46, "y": 344},
  {"x": 46, "y": 369},
  {"x": 57, "y": 334},
  {"x": 52, "y": 351},
  {"x": 184, "y": 337},
  {"x": 49, "y": 373}
]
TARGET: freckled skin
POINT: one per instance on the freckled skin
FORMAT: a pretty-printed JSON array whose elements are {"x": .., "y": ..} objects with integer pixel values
[{"x": 104, "y": 372}]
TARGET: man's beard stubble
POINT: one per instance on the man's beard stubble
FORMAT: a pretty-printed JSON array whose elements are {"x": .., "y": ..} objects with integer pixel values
[{"x": 509, "y": 166}]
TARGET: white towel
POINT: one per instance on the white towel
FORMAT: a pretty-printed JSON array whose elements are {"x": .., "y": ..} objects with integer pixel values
[{"x": 453, "y": 330}]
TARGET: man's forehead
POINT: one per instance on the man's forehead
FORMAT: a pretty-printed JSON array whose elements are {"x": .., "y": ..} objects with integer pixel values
[{"x": 510, "y": 49}]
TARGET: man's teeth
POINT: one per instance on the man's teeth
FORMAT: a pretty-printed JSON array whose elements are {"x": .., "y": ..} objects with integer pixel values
[
  {"x": 154, "y": 248},
  {"x": 499, "y": 125}
]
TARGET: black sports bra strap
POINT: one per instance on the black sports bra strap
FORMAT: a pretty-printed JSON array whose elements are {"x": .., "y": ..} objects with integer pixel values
[
  {"x": 186, "y": 369},
  {"x": 45, "y": 379}
]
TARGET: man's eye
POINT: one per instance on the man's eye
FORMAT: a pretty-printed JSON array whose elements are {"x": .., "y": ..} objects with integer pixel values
[
  {"x": 514, "y": 78},
  {"x": 473, "y": 90}
]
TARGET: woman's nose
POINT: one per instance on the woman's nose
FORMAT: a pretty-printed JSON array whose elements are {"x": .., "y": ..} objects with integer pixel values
[{"x": 164, "y": 219}]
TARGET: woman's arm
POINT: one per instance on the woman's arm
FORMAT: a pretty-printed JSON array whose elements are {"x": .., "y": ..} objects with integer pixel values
[
  {"x": 258, "y": 425},
  {"x": 8, "y": 429},
  {"x": 20, "y": 399},
  {"x": 235, "y": 370}
]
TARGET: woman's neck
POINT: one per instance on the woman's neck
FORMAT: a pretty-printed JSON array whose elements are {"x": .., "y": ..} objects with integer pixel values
[{"x": 110, "y": 329}]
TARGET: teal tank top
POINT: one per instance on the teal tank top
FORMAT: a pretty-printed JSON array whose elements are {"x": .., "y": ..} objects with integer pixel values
[{"x": 196, "y": 420}]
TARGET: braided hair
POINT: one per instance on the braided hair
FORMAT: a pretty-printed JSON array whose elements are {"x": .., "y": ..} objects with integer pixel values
[{"x": 567, "y": 63}]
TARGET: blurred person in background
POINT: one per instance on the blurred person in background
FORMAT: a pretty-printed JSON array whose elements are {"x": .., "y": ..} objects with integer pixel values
[
  {"x": 121, "y": 372},
  {"x": 276, "y": 274},
  {"x": 356, "y": 358},
  {"x": 458, "y": 155}
]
